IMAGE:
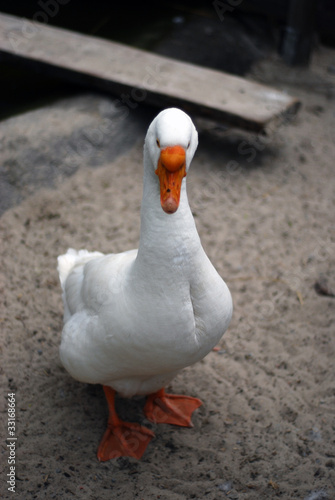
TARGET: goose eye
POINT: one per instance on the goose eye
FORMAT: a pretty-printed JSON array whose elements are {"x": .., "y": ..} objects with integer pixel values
[
  {"x": 188, "y": 145},
  {"x": 158, "y": 143}
]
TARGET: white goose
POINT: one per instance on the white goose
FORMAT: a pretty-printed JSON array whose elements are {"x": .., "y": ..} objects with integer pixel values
[{"x": 133, "y": 320}]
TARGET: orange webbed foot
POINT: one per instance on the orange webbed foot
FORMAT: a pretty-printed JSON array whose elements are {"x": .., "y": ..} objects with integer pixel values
[
  {"x": 122, "y": 439},
  {"x": 171, "y": 408}
]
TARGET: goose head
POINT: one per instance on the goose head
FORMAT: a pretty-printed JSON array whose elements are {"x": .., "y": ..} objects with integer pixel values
[{"x": 171, "y": 142}]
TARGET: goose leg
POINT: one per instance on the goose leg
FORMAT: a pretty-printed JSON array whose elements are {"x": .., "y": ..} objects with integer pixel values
[
  {"x": 122, "y": 439},
  {"x": 171, "y": 408}
]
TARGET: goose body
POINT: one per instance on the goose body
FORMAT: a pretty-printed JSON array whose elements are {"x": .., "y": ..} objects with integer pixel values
[{"x": 133, "y": 320}]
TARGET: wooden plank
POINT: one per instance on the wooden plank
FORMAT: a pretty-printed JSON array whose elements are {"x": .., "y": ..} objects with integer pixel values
[{"x": 138, "y": 76}]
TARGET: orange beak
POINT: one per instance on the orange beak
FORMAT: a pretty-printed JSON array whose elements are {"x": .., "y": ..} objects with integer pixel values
[{"x": 171, "y": 169}]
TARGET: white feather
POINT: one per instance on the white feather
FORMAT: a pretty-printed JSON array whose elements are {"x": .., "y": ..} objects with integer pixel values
[{"x": 134, "y": 319}]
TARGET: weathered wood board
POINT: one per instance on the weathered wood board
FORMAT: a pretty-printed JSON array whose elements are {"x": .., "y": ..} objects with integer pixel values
[{"x": 139, "y": 76}]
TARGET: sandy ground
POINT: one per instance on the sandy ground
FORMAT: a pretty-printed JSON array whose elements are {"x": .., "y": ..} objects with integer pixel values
[{"x": 264, "y": 208}]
